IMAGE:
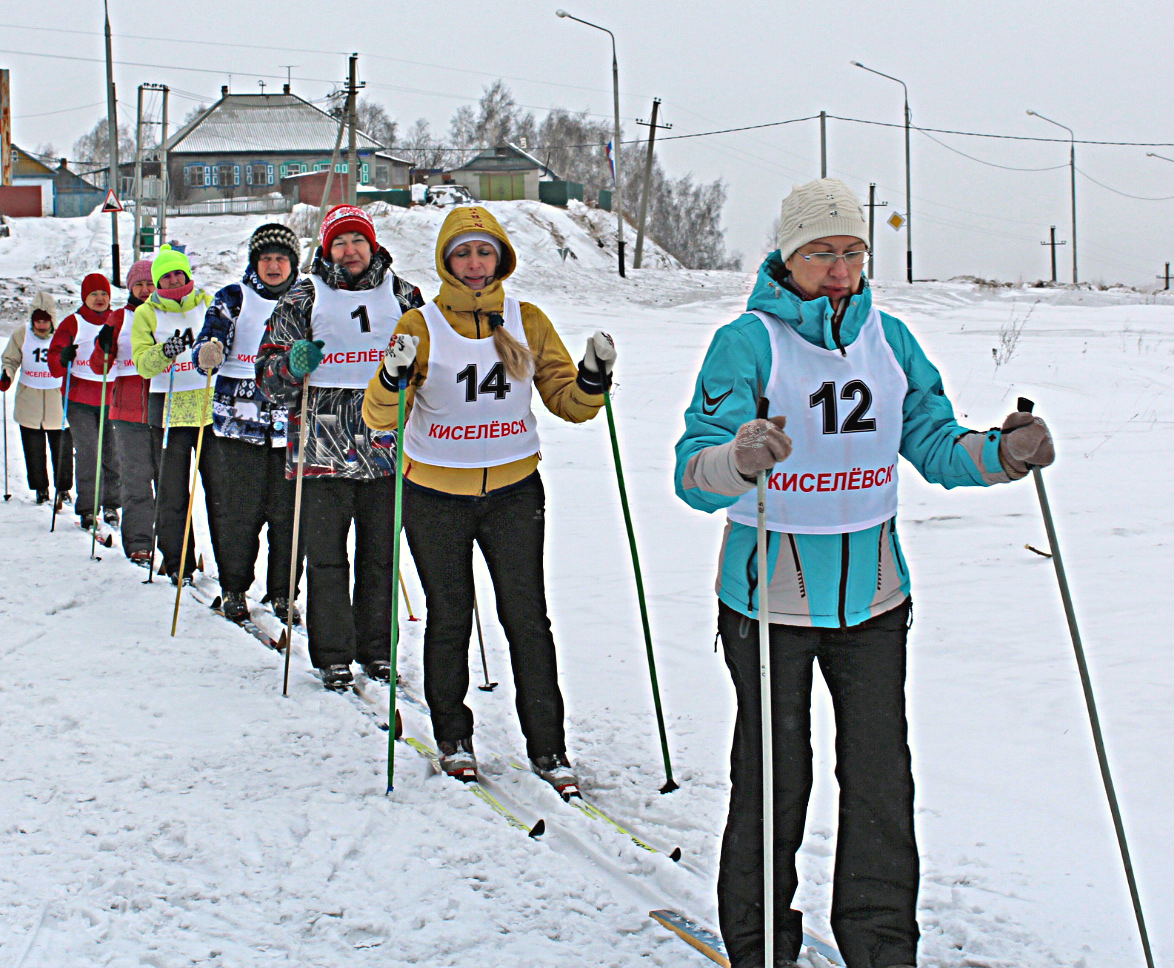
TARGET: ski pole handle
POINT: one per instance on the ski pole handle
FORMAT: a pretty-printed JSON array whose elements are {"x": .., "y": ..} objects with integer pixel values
[
  {"x": 763, "y": 408},
  {"x": 1025, "y": 405}
]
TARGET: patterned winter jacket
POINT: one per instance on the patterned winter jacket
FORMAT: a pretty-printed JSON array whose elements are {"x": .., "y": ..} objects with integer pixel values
[
  {"x": 338, "y": 443},
  {"x": 239, "y": 409},
  {"x": 821, "y": 580}
]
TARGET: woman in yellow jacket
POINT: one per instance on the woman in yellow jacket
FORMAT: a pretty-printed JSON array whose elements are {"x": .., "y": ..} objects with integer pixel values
[
  {"x": 161, "y": 337},
  {"x": 471, "y": 474}
]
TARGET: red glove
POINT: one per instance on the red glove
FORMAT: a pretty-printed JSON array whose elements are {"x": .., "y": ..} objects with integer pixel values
[{"x": 5, "y": 383}]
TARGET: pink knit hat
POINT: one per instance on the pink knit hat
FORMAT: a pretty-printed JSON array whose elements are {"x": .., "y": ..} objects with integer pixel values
[{"x": 139, "y": 272}]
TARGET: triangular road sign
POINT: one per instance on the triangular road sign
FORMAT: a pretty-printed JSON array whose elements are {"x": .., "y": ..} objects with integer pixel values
[{"x": 112, "y": 204}]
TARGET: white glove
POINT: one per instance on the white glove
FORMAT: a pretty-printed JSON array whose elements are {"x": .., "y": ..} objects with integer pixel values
[
  {"x": 211, "y": 355},
  {"x": 600, "y": 354},
  {"x": 400, "y": 355}
]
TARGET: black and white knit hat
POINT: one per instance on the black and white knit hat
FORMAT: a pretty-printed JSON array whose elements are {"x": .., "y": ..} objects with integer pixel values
[
  {"x": 817, "y": 210},
  {"x": 274, "y": 237}
]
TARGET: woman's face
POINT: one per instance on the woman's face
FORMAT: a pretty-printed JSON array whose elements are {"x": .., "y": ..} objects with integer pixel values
[
  {"x": 41, "y": 325},
  {"x": 174, "y": 279},
  {"x": 142, "y": 290},
  {"x": 474, "y": 263},
  {"x": 98, "y": 301},
  {"x": 835, "y": 281}
]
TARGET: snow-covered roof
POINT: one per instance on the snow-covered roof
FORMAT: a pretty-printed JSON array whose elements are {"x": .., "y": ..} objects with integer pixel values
[
  {"x": 508, "y": 157},
  {"x": 270, "y": 123}
]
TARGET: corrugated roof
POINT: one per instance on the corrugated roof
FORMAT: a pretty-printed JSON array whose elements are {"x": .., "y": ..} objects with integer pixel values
[
  {"x": 263, "y": 123},
  {"x": 508, "y": 157}
]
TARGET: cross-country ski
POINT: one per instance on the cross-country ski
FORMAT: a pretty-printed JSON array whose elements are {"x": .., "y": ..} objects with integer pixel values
[{"x": 451, "y": 649}]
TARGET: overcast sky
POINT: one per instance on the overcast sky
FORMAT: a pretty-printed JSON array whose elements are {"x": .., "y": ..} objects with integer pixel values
[{"x": 1104, "y": 69}]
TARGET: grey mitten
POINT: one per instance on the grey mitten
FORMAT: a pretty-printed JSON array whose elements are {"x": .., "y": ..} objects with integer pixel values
[
  {"x": 1025, "y": 443},
  {"x": 760, "y": 444},
  {"x": 211, "y": 355}
]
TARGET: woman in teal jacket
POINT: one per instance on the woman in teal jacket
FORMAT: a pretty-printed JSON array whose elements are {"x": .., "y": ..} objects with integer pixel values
[{"x": 848, "y": 389}]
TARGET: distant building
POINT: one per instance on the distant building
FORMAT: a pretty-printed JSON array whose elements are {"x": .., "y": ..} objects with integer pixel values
[
  {"x": 245, "y": 144},
  {"x": 503, "y": 173},
  {"x": 29, "y": 172},
  {"x": 75, "y": 195}
]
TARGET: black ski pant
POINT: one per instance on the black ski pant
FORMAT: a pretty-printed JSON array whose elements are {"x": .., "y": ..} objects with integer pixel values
[
  {"x": 509, "y": 525},
  {"x": 874, "y": 889},
  {"x": 33, "y": 441},
  {"x": 341, "y": 629},
  {"x": 84, "y": 422},
  {"x": 175, "y": 478},
  {"x": 254, "y": 494},
  {"x": 138, "y": 467}
]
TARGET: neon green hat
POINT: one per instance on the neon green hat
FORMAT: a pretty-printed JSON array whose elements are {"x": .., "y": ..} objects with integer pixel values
[{"x": 168, "y": 260}]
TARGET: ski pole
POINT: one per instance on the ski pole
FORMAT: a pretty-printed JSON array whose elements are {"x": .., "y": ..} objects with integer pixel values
[
  {"x": 1086, "y": 684},
  {"x": 396, "y": 522},
  {"x": 669, "y": 784},
  {"x": 765, "y": 702},
  {"x": 6, "y": 494},
  {"x": 407, "y": 601},
  {"x": 297, "y": 522},
  {"x": 61, "y": 446},
  {"x": 489, "y": 686},
  {"x": 98, "y": 469},
  {"x": 159, "y": 483},
  {"x": 187, "y": 527}
]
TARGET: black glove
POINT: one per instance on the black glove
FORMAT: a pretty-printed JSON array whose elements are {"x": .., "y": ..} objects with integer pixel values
[
  {"x": 177, "y": 344},
  {"x": 68, "y": 354},
  {"x": 106, "y": 338}
]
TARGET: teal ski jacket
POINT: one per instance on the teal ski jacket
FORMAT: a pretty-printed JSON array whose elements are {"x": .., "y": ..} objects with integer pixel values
[{"x": 820, "y": 580}]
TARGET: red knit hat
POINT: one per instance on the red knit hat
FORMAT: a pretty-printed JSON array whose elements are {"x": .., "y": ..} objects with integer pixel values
[
  {"x": 94, "y": 282},
  {"x": 346, "y": 218}
]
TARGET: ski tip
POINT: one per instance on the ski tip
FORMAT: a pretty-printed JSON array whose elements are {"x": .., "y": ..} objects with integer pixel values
[
  {"x": 217, "y": 602},
  {"x": 669, "y": 786},
  {"x": 675, "y": 855},
  {"x": 282, "y": 643},
  {"x": 538, "y": 829},
  {"x": 108, "y": 541}
]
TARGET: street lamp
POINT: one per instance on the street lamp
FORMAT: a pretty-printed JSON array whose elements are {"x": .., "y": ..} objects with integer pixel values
[
  {"x": 908, "y": 191},
  {"x": 1072, "y": 162},
  {"x": 615, "y": 153},
  {"x": 1150, "y": 154}
]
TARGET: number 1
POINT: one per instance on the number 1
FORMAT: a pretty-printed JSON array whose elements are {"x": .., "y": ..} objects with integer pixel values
[{"x": 364, "y": 322}]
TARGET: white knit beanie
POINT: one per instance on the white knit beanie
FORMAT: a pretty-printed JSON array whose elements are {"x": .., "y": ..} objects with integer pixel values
[
  {"x": 472, "y": 237},
  {"x": 817, "y": 210}
]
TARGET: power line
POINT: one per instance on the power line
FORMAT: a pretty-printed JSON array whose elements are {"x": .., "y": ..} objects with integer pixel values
[
  {"x": 1140, "y": 198},
  {"x": 1011, "y": 137},
  {"x": 980, "y": 161},
  {"x": 45, "y": 114}
]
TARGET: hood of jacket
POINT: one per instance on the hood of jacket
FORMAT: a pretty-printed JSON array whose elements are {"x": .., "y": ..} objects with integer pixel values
[
  {"x": 336, "y": 277},
  {"x": 454, "y": 295},
  {"x": 47, "y": 304},
  {"x": 810, "y": 318}
]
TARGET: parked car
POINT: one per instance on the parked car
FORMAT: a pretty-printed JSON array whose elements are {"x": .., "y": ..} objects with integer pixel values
[{"x": 443, "y": 195}]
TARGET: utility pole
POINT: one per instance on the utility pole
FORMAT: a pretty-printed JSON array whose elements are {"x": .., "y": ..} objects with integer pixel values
[
  {"x": 164, "y": 178},
  {"x": 112, "y": 125},
  {"x": 873, "y": 205},
  {"x": 138, "y": 190},
  {"x": 1166, "y": 276},
  {"x": 823, "y": 144},
  {"x": 1053, "y": 243},
  {"x": 652, "y": 126},
  {"x": 352, "y": 100},
  {"x": 5, "y": 129},
  {"x": 158, "y": 203}
]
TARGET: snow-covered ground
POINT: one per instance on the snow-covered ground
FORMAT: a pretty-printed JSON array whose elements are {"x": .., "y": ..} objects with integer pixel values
[{"x": 164, "y": 805}]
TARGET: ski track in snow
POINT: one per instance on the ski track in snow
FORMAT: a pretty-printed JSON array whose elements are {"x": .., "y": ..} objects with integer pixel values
[{"x": 163, "y": 804}]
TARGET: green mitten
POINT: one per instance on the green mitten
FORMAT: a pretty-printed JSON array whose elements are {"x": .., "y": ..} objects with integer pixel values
[{"x": 304, "y": 357}]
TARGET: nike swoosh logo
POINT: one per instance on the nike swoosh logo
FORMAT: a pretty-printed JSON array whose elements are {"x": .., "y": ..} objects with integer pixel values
[{"x": 710, "y": 404}]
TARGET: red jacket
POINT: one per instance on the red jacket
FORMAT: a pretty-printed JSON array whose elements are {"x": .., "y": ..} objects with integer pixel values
[
  {"x": 80, "y": 391},
  {"x": 129, "y": 398}
]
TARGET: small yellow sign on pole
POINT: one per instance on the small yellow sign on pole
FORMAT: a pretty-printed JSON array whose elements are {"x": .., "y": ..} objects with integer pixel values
[{"x": 896, "y": 220}]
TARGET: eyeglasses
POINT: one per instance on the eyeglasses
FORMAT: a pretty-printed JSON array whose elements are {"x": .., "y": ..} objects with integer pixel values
[{"x": 825, "y": 260}]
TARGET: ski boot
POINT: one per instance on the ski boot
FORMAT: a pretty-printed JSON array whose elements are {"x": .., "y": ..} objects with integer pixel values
[
  {"x": 110, "y": 516},
  {"x": 457, "y": 759},
  {"x": 42, "y": 497},
  {"x": 336, "y": 678},
  {"x": 280, "y": 606},
  {"x": 556, "y": 770},
  {"x": 235, "y": 606},
  {"x": 379, "y": 670},
  {"x": 86, "y": 521},
  {"x": 63, "y": 499},
  {"x": 140, "y": 558}
]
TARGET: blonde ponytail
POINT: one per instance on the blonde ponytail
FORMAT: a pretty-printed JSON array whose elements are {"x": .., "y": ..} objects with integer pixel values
[{"x": 518, "y": 359}]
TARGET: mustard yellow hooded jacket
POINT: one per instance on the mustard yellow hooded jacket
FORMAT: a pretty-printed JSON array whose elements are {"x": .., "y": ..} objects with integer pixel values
[{"x": 555, "y": 375}]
